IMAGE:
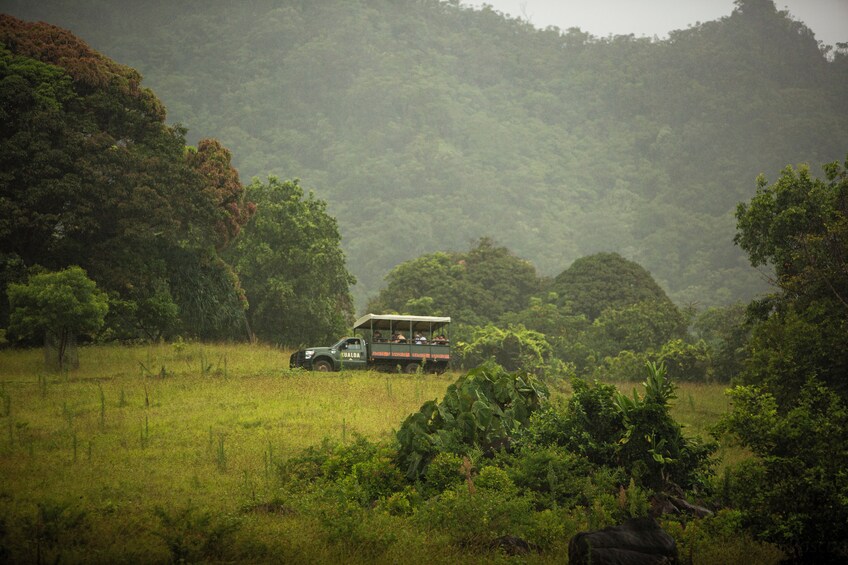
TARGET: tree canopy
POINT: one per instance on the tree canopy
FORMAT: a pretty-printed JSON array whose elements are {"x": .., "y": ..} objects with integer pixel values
[
  {"x": 798, "y": 226},
  {"x": 603, "y": 281},
  {"x": 791, "y": 411},
  {"x": 474, "y": 287},
  {"x": 292, "y": 268},
  {"x": 93, "y": 176},
  {"x": 58, "y": 305}
]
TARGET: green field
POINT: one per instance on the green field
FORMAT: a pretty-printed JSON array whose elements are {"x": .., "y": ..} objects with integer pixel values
[{"x": 145, "y": 450}]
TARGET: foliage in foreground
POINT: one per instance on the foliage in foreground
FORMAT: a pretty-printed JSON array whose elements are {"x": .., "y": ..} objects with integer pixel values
[
  {"x": 792, "y": 412},
  {"x": 484, "y": 408},
  {"x": 494, "y": 458},
  {"x": 795, "y": 493},
  {"x": 634, "y": 434},
  {"x": 184, "y": 456}
]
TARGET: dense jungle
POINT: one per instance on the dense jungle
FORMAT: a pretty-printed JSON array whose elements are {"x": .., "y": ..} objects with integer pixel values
[{"x": 426, "y": 125}]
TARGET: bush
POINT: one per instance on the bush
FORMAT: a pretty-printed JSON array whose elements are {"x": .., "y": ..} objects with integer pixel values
[
  {"x": 484, "y": 408},
  {"x": 515, "y": 349},
  {"x": 556, "y": 477},
  {"x": 476, "y": 519},
  {"x": 495, "y": 478},
  {"x": 363, "y": 471},
  {"x": 590, "y": 424},
  {"x": 686, "y": 361},
  {"x": 357, "y": 530},
  {"x": 626, "y": 366},
  {"x": 194, "y": 535},
  {"x": 614, "y": 430},
  {"x": 443, "y": 472},
  {"x": 719, "y": 538}
]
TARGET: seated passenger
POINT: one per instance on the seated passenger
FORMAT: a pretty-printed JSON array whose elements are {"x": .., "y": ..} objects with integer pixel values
[
  {"x": 378, "y": 337},
  {"x": 440, "y": 340},
  {"x": 420, "y": 339},
  {"x": 398, "y": 337}
]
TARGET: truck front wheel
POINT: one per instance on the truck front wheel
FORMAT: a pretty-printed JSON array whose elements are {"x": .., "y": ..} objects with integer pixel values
[{"x": 322, "y": 365}]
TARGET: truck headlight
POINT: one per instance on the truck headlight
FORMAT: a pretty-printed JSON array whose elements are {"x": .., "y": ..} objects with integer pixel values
[{"x": 308, "y": 354}]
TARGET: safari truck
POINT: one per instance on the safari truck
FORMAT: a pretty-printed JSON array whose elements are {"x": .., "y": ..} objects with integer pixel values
[{"x": 384, "y": 342}]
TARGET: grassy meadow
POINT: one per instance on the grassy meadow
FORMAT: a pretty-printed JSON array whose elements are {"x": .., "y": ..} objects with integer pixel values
[{"x": 145, "y": 452}]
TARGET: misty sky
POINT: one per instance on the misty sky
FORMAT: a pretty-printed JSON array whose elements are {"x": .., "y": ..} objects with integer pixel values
[{"x": 827, "y": 18}]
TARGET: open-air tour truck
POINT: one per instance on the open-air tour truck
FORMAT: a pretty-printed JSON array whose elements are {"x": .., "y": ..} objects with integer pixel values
[{"x": 386, "y": 342}]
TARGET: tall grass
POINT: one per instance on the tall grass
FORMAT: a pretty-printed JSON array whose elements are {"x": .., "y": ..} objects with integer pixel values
[{"x": 130, "y": 431}]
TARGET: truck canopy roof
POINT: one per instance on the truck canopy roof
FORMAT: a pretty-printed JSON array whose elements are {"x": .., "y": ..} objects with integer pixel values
[{"x": 388, "y": 321}]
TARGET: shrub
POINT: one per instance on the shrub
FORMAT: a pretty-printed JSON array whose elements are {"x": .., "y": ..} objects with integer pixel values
[
  {"x": 378, "y": 476},
  {"x": 515, "y": 348},
  {"x": 495, "y": 478},
  {"x": 652, "y": 447},
  {"x": 401, "y": 503},
  {"x": 443, "y": 472},
  {"x": 686, "y": 361},
  {"x": 590, "y": 424},
  {"x": 484, "y": 408},
  {"x": 194, "y": 535},
  {"x": 614, "y": 430},
  {"x": 626, "y": 366},
  {"x": 356, "y": 530},
  {"x": 363, "y": 471},
  {"x": 719, "y": 538},
  {"x": 476, "y": 519},
  {"x": 555, "y": 476}
]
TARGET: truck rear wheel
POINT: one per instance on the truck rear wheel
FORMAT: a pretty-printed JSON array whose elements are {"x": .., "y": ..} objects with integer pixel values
[
  {"x": 322, "y": 365},
  {"x": 411, "y": 368}
]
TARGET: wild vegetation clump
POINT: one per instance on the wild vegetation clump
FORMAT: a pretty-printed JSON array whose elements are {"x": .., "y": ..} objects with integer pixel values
[{"x": 496, "y": 459}]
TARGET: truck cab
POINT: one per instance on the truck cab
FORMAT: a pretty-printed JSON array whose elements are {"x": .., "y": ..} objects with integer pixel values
[{"x": 388, "y": 342}]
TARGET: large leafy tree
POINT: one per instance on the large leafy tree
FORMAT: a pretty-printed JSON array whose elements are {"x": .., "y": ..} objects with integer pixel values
[
  {"x": 636, "y": 327},
  {"x": 795, "y": 493},
  {"x": 791, "y": 413},
  {"x": 93, "y": 176},
  {"x": 291, "y": 266},
  {"x": 797, "y": 228},
  {"x": 475, "y": 287},
  {"x": 605, "y": 281},
  {"x": 623, "y": 308}
]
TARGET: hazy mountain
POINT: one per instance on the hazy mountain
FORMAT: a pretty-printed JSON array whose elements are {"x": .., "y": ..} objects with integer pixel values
[{"x": 426, "y": 124}]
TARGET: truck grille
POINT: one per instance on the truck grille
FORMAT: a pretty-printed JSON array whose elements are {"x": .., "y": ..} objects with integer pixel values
[{"x": 297, "y": 359}]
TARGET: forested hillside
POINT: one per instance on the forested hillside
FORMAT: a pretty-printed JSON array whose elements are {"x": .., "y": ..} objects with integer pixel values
[{"x": 426, "y": 124}]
